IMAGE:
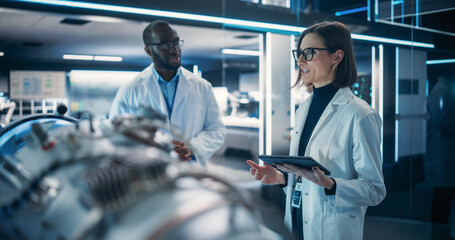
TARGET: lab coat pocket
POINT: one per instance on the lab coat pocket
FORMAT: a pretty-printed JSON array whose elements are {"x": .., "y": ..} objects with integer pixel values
[{"x": 343, "y": 220}]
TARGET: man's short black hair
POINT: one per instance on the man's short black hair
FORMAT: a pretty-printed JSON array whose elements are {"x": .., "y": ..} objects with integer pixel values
[{"x": 147, "y": 33}]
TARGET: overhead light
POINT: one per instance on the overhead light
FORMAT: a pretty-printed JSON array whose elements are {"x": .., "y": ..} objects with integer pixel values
[
  {"x": 92, "y": 58},
  {"x": 390, "y": 40},
  {"x": 244, "y": 101},
  {"x": 239, "y": 52},
  {"x": 108, "y": 58},
  {"x": 169, "y": 14},
  {"x": 2, "y": 54},
  {"x": 252, "y": 25},
  {"x": 440, "y": 61},
  {"x": 78, "y": 57},
  {"x": 349, "y": 11}
]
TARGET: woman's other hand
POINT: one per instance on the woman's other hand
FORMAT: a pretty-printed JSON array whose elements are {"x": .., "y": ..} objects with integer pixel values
[
  {"x": 314, "y": 175},
  {"x": 266, "y": 174}
]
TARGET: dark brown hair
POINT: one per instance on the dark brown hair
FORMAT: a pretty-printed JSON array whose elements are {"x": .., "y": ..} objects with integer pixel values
[{"x": 335, "y": 35}]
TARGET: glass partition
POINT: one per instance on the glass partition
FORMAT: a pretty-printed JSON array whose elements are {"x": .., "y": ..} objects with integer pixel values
[{"x": 418, "y": 122}]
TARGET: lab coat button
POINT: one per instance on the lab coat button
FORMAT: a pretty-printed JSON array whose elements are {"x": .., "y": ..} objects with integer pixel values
[
  {"x": 306, "y": 222},
  {"x": 297, "y": 132},
  {"x": 306, "y": 194}
]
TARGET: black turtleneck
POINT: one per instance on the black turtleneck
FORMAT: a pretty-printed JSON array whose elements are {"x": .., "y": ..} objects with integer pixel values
[{"x": 321, "y": 98}]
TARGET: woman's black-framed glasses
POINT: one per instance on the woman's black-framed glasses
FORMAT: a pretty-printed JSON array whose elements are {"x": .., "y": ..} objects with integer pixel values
[
  {"x": 307, "y": 53},
  {"x": 169, "y": 45}
]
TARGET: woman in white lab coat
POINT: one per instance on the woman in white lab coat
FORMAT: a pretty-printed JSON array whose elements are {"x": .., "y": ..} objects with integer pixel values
[{"x": 337, "y": 129}]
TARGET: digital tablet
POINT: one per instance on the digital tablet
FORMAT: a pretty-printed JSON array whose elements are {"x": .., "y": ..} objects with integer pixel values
[{"x": 306, "y": 162}]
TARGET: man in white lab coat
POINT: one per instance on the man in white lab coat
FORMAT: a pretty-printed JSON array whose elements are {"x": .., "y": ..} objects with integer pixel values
[{"x": 186, "y": 99}]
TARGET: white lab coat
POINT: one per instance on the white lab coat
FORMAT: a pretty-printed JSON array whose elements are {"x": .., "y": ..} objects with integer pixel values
[
  {"x": 346, "y": 140},
  {"x": 195, "y": 117}
]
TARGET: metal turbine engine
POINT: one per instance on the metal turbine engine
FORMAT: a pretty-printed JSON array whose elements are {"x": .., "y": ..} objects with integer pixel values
[{"x": 122, "y": 180}]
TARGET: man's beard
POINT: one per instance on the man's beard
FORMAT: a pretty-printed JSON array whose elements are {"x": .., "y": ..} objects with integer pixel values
[{"x": 165, "y": 64}]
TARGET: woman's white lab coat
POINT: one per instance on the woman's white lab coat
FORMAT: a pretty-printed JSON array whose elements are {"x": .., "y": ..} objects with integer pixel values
[
  {"x": 346, "y": 140},
  {"x": 195, "y": 117}
]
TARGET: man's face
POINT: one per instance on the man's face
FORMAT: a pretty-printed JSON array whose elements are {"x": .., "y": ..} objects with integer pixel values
[{"x": 165, "y": 57}]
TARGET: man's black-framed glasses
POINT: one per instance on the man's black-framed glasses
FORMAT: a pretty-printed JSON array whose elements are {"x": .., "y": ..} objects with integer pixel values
[
  {"x": 169, "y": 45},
  {"x": 307, "y": 53}
]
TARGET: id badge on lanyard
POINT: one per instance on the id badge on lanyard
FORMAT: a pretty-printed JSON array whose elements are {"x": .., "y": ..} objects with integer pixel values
[{"x": 297, "y": 196}]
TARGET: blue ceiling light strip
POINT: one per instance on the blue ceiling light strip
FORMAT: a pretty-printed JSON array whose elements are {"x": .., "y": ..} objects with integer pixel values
[
  {"x": 376, "y": 10},
  {"x": 354, "y": 10},
  {"x": 417, "y": 13},
  {"x": 369, "y": 10},
  {"x": 440, "y": 61},
  {"x": 261, "y": 26},
  {"x": 390, "y": 40},
  {"x": 238, "y": 23}
]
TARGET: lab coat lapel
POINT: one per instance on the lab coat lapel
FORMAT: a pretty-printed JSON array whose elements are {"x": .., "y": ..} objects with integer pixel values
[
  {"x": 300, "y": 117},
  {"x": 299, "y": 123},
  {"x": 156, "y": 93},
  {"x": 341, "y": 97},
  {"x": 182, "y": 89}
]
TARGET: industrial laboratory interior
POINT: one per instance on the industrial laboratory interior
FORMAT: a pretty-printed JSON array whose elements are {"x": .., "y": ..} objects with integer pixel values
[{"x": 227, "y": 119}]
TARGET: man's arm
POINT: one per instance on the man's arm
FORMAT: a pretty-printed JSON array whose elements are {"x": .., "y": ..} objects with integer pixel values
[{"x": 121, "y": 104}]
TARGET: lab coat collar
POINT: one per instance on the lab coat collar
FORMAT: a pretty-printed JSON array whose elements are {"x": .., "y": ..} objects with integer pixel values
[
  {"x": 160, "y": 79},
  {"x": 343, "y": 96},
  {"x": 184, "y": 84}
]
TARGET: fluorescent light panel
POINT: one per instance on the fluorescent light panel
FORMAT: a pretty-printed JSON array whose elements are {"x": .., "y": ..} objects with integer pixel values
[
  {"x": 417, "y": 13},
  {"x": 376, "y": 10},
  {"x": 440, "y": 61},
  {"x": 108, "y": 58},
  {"x": 170, "y": 14},
  {"x": 2, "y": 54},
  {"x": 261, "y": 26},
  {"x": 381, "y": 81},
  {"x": 369, "y": 11},
  {"x": 390, "y": 40},
  {"x": 397, "y": 99},
  {"x": 381, "y": 89},
  {"x": 92, "y": 58},
  {"x": 268, "y": 94},
  {"x": 262, "y": 75},
  {"x": 78, "y": 57},
  {"x": 373, "y": 77},
  {"x": 240, "y": 52}
]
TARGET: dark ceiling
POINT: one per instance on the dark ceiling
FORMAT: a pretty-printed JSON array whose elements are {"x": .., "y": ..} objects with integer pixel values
[
  {"x": 31, "y": 38},
  {"x": 36, "y": 37}
]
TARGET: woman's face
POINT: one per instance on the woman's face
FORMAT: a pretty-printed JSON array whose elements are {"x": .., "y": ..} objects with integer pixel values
[{"x": 319, "y": 71}]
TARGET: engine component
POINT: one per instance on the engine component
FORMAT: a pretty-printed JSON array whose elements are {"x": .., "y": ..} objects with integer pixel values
[{"x": 99, "y": 180}]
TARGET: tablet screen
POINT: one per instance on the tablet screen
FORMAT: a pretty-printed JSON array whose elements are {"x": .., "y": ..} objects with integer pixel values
[{"x": 306, "y": 162}]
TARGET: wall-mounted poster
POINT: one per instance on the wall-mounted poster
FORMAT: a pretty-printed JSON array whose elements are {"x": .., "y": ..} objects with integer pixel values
[{"x": 37, "y": 84}]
